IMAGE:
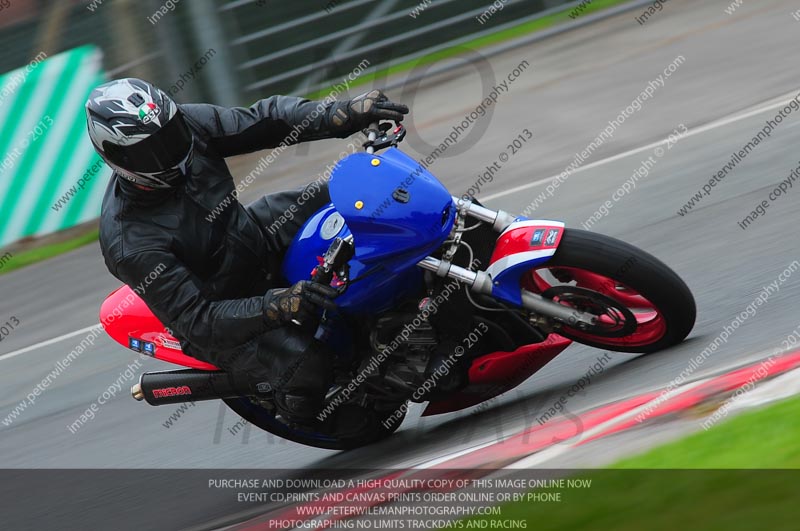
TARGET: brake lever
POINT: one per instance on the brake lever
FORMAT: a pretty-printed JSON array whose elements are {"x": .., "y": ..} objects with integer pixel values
[
  {"x": 335, "y": 264},
  {"x": 383, "y": 139}
]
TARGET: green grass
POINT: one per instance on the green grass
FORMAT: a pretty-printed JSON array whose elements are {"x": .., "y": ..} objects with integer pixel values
[
  {"x": 24, "y": 258},
  {"x": 488, "y": 40},
  {"x": 682, "y": 493},
  {"x": 769, "y": 438}
]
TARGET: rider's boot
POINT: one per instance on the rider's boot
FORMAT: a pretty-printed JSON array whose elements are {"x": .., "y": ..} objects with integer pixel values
[{"x": 300, "y": 373}]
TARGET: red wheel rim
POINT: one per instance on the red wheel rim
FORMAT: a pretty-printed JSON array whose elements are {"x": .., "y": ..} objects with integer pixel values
[{"x": 651, "y": 325}]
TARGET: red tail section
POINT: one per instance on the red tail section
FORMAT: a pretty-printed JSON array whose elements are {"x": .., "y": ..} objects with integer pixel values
[{"x": 129, "y": 322}]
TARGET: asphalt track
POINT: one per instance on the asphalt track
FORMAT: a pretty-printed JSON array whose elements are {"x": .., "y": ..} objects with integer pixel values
[{"x": 735, "y": 68}]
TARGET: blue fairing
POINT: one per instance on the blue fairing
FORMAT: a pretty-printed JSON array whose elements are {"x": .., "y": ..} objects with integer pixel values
[{"x": 397, "y": 212}]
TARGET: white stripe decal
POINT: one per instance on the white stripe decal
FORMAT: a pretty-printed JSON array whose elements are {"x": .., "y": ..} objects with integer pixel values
[{"x": 517, "y": 258}]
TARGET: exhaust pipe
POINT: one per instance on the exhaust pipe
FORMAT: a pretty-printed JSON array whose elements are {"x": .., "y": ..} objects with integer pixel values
[{"x": 193, "y": 385}]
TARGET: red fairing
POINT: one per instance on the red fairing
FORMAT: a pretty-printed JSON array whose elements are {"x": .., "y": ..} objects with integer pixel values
[
  {"x": 495, "y": 373},
  {"x": 127, "y": 319},
  {"x": 528, "y": 236}
]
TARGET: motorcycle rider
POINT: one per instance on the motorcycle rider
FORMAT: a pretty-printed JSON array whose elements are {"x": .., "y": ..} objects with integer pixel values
[{"x": 217, "y": 285}]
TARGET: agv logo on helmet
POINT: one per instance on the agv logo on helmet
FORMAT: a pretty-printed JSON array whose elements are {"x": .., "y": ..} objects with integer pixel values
[{"x": 148, "y": 112}]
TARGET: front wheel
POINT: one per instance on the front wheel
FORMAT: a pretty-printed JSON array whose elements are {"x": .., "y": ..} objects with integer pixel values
[{"x": 641, "y": 304}]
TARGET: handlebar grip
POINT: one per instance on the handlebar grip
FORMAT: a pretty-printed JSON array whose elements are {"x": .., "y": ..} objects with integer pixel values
[
  {"x": 373, "y": 130},
  {"x": 321, "y": 276}
]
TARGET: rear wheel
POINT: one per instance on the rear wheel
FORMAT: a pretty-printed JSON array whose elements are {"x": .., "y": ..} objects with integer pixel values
[
  {"x": 262, "y": 415},
  {"x": 641, "y": 304}
]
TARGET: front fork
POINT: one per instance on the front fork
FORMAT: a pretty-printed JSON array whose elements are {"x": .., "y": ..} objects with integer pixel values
[{"x": 482, "y": 282}]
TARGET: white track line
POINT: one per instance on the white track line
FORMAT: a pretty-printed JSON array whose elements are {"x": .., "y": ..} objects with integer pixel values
[
  {"x": 447, "y": 457},
  {"x": 732, "y": 118},
  {"x": 48, "y": 342},
  {"x": 782, "y": 386}
]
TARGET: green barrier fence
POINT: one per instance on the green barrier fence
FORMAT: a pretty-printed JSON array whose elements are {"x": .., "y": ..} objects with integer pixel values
[{"x": 50, "y": 177}]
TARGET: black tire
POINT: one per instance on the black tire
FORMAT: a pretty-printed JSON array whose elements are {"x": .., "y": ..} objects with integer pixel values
[
  {"x": 648, "y": 275},
  {"x": 262, "y": 418}
]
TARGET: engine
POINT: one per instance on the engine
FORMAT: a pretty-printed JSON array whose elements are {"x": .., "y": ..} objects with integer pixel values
[{"x": 404, "y": 342}]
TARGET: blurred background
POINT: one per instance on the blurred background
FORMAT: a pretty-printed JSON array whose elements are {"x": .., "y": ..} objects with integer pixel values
[
  {"x": 267, "y": 46},
  {"x": 228, "y": 53},
  {"x": 589, "y": 60}
]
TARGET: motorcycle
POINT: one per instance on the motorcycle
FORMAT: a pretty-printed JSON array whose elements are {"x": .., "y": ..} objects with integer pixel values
[{"x": 401, "y": 249}]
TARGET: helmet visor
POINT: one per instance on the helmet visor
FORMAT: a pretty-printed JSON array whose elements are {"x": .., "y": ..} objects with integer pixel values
[{"x": 161, "y": 151}]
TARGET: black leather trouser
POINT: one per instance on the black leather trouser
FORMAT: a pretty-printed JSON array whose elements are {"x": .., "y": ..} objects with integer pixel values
[{"x": 295, "y": 364}]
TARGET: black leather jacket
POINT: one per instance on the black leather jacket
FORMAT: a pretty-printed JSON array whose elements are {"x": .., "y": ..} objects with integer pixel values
[{"x": 213, "y": 275}]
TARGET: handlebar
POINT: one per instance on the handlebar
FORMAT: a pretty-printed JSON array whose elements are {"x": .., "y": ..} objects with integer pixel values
[
  {"x": 382, "y": 136},
  {"x": 372, "y": 136}
]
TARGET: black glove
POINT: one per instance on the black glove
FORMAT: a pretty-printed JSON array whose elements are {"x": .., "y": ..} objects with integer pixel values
[
  {"x": 358, "y": 113},
  {"x": 297, "y": 303}
]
